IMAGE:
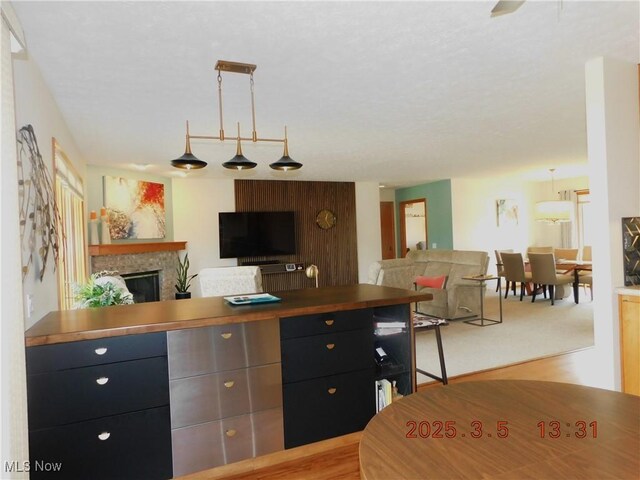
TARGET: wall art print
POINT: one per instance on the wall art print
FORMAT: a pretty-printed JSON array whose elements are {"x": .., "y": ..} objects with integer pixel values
[
  {"x": 135, "y": 208},
  {"x": 507, "y": 212},
  {"x": 40, "y": 222}
]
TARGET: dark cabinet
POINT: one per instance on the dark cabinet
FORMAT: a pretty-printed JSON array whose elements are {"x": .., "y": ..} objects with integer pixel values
[
  {"x": 327, "y": 407},
  {"x": 328, "y": 375},
  {"x": 100, "y": 408}
]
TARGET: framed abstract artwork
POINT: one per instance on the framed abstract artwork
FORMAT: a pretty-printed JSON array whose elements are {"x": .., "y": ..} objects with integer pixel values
[
  {"x": 135, "y": 208},
  {"x": 506, "y": 212}
]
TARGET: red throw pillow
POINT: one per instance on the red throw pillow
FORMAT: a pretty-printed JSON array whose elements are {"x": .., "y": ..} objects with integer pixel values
[{"x": 431, "y": 282}]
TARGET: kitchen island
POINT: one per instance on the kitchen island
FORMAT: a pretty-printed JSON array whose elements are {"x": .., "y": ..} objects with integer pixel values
[{"x": 164, "y": 389}]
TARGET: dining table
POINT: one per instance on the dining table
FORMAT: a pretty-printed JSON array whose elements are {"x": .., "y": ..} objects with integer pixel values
[
  {"x": 566, "y": 267},
  {"x": 503, "y": 430}
]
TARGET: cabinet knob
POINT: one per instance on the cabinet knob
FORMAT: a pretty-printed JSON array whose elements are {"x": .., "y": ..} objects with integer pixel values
[
  {"x": 101, "y": 350},
  {"x": 230, "y": 433},
  {"x": 102, "y": 380},
  {"x": 229, "y": 383},
  {"x": 104, "y": 435},
  {"x": 332, "y": 390},
  {"x": 331, "y": 346},
  {"x": 226, "y": 335},
  {"x": 329, "y": 322}
]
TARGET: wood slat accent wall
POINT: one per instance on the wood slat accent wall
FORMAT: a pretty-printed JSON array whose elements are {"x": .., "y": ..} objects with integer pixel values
[{"x": 334, "y": 251}]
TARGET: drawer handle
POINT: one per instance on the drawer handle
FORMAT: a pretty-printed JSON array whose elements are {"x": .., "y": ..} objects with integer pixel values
[
  {"x": 229, "y": 383},
  {"x": 102, "y": 380},
  {"x": 331, "y": 346},
  {"x": 230, "y": 433},
  {"x": 104, "y": 435},
  {"x": 226, "y": 335},
  {"x": 329, "y": 322},
  {"x": 332, "y": 390},
  {"x": 101, "y": 350}
]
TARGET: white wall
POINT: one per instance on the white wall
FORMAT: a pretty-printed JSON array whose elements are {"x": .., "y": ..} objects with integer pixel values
[
  {"x": 196, "y": 203},
  {"x": 475, "y": 215},
  {"x": 35, "y": 105},
  {"x": 613, "y": 133},
  {"x": 368, "y": 227}
]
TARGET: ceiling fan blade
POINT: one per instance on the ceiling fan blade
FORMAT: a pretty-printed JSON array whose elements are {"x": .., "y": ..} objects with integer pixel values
[{"x": 506, "y": 6}]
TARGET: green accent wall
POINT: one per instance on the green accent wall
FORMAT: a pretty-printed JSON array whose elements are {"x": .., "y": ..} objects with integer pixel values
[
  {"x": 94, "y": 188},
  {"x": 439, "y": 211}
]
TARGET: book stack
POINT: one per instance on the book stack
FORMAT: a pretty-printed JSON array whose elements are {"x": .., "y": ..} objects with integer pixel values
[
  {"x": 387, "y": 392},
  {"x": 389, "y": 328}
]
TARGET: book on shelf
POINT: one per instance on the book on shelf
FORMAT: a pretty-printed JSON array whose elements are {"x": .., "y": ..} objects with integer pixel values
[
  {"x": 381, "y": 332},
  {"x": 384, "y": 391},
  {"x": 390, "y": 324}
]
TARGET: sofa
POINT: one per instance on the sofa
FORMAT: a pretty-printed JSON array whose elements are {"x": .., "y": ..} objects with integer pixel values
[{"x": 459, "y": 298}]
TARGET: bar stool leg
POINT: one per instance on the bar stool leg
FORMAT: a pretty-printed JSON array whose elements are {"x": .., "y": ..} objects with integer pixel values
[{"x": 443, "y": 369}]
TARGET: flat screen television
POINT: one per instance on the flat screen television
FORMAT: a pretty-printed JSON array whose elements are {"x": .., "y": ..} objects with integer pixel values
[{"x": 256, "y": 234}]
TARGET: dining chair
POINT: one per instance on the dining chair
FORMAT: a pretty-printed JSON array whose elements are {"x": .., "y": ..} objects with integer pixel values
[
  {"x": 514, "y": 272},
  {"x": 543, "y": 272},
  {"x": 586, "y": 253},
  {"x": 220, "y": 281},
  {"x": 565, "y": 253},
  {"x": 499, "y": 264},
  {"x": 586, "y": 281}
]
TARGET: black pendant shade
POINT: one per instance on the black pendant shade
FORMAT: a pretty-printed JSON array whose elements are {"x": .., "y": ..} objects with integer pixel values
[
  {"x": 239, "y": 162},
  {"x": 286, "y": 162},
  {"x": 188, "y": 161}
]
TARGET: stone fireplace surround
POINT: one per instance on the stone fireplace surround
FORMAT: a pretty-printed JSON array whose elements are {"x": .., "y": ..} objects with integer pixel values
[{"x": 138, "y": 258}]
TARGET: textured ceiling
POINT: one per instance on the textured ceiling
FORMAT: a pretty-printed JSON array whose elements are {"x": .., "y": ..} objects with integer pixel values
[{"x": 392, "y": 92}]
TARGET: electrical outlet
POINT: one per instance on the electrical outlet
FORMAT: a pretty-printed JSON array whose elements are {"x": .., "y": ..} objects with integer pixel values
[
  {"x": 434, "y": 245},
  {"x": 29, "y": 305}
]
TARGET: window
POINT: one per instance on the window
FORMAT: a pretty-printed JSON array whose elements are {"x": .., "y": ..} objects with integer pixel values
[
  {"x": 72, "y": 263},
  {"x": 585, "y": 217}
]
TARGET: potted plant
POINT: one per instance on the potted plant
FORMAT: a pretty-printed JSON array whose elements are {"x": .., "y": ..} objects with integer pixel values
[
  {"x": 184, "y": 279},
  {"x": 102, "y": 290}
]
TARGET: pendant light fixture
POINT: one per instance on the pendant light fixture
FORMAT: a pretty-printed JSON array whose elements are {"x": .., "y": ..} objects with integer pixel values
[
  {"x": 553, "y": 211},
  {"x": 286, "y": 162},
  {"x": 239, "y": 161},
  {"x": 188, "y": 161}
]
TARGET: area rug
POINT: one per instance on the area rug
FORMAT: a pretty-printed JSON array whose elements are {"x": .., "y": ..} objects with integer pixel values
[{"x": 529, "y": 331}]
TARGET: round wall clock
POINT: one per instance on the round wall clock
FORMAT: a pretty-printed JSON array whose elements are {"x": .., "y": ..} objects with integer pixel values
[{"x": 326, "y": 219}]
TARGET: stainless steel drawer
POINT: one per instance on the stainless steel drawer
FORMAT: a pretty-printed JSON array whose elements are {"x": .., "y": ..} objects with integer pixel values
[
  {"x": 200, "y": 351},
  {"x": 212, "y": 444},
  {"x": 205, "y": 398}
]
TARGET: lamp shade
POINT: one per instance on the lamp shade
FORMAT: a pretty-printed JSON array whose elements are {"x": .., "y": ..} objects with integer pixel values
[
  {"x": 188, "y": 161},
  {"x": 554, "y": 211},
  {"x": 239, "y": 162},
  {"x": 286, "y": 163}
]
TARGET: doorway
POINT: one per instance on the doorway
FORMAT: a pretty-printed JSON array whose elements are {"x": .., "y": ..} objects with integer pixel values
[
  {"x": 388, "y": 230},
  {"x": 413, "y": 225}
]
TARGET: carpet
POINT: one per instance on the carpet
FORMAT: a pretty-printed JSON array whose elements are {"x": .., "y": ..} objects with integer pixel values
[{"x": 529, "y": 331}]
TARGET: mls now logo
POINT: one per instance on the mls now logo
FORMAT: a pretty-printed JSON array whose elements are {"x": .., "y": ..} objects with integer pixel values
[{"x": 37, "y": 466}]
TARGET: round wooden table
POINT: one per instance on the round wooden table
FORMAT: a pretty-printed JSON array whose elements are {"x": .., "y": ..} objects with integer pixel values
[{"x": 505, "y": 429}]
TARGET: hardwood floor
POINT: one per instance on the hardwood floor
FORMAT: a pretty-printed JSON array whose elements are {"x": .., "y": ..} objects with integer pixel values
[{"x": 337, "y": 459}]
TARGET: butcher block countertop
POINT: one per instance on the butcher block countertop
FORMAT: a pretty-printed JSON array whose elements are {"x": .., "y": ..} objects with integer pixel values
[{"x": 92, "y": 323}]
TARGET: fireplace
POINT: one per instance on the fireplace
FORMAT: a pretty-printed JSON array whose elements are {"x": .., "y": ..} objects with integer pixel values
[
  {"x": 133, "y": 259},
  {"x": 144, "y": 286}
]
